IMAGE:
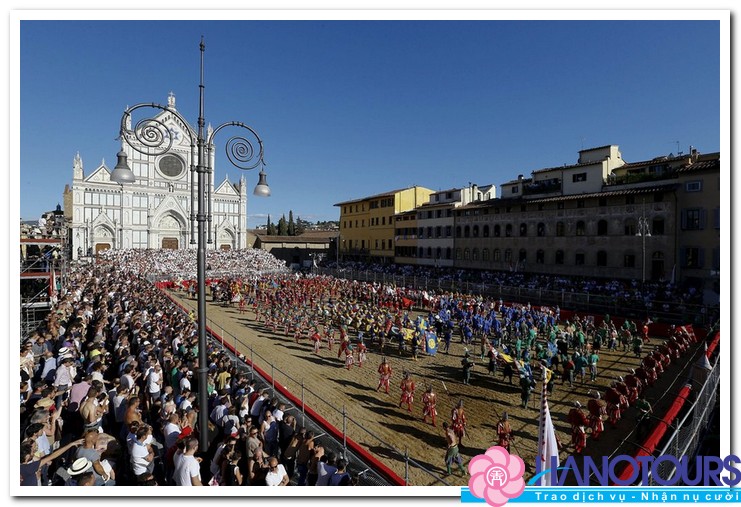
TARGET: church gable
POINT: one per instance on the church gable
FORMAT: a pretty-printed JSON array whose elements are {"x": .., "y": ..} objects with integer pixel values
[
  {"x": 100, "y": 175},
  {"x": 226, "y": 188}
]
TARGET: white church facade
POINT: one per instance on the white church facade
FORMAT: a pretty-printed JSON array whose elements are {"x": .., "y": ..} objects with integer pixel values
[{"x": 158, "y": 209}]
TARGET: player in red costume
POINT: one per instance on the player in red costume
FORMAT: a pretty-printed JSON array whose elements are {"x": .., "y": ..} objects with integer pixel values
[
  {"x": 407, "y": 391},
  {"x": 384, "y": 373},
  {"x": 429, "y": 399},
  {"x": 579, "y": 423}
]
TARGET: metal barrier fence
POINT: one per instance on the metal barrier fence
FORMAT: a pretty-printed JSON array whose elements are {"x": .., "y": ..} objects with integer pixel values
[
  {"x": 685, "y": 440},
  {"x": 334, "y": 415},
  {"x": 660, "y": 311}
]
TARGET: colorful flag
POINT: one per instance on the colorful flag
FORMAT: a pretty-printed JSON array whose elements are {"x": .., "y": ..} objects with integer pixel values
[
  {"x": 431, "y": 343},
  {"x": 547, "y": 445}
]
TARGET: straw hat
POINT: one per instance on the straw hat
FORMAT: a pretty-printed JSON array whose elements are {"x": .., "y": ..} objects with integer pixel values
[{"x": 80, "y": 466}]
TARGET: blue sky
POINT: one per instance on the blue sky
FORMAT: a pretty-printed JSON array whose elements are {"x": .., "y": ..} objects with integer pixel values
[{"x": 353, "y": 108}]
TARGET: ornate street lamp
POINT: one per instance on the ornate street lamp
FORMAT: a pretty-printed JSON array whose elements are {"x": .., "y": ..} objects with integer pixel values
[
  {"x": 644, "y": 231},
  {"x": 244, "y": 151}
]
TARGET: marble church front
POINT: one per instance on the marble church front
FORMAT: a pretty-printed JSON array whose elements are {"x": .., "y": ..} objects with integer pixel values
[{"x": 158, "y": 210}]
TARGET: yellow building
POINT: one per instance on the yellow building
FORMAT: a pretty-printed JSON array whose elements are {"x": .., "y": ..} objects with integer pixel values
[{"x": 367, "y": 224}]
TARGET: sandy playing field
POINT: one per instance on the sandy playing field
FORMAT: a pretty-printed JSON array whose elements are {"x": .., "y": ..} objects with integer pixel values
[{"x": 328, "y": 383}]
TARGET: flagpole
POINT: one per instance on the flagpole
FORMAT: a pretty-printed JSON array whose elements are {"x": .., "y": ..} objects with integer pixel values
[{"x": 540, "y": 456}]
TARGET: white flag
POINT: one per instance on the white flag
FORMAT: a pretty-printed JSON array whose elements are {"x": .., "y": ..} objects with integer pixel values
[{"x": 547, "y": 445}]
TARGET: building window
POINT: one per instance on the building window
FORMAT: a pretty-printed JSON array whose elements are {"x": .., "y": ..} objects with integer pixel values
[
  {"x": 497, "y": 255},
  {"x": 458, "y": 231},
  {"x": 559, "y": 205},
  {"x": 438, "y": 253},
  {"x": 522, "y": 257},
  {"x": 448, "y": 230},
  {"x": 523, "y": 229},
  {"x": 576, "y": 178},
  {"x": 657, "y": 227},
  {"x": 508, "y": 255},
  {"x": 485, "y": 255},
  {"x": 486, "y": 231},
  {"x": 475, "y": 231},
  {"x": 376, "y": 244},
  {"x": 383, "y": 244},
  {"x": 497, "y": 231},
  {"x": 421, "y": 232},
  {"x": 508, "y": 230},
  {"x": 466, "y": 231},
  {"x": 693, "y": 186},
  {"x": 420, "y": 252},
  {"x": 466, "y": 254},
  {"x": 559, "y": 257},
  {"x": 581, "y": 228},
  {"x": 602, "y": 228},
  {"x": 630, "y": 199},
  {"x": 630, "y": 227},
  {"x": 438, "y": 231},
  {"x": 540, "y": 257},
  {"x": 560, "y": 229},
  {"x": 579, "y": 259},
  {"x": 541, "y": 229},
  {"x": 692, "y": 257},
  {"x": 429, "y": 232},
  {"x": 448, "y": 253},
  {"x": 475, "y": 254},
  {"x": 580, "y": 203},
  {"x": 629, "y": 260},
  {"x": 457, "y": 254},
  {"x": 602, "y": 258},
  {"x": 383, "y": 220},
  {"x": 603, "y": 201},
  {"x": 429, "y": 251},
  {"x": 515, "y": 190},
  {"x": 693, "y": 219}
]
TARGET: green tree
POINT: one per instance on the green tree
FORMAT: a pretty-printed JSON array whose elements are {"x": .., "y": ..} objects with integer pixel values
[
  {"x": 271, "y": 227},
  {"x": 301, "y": 226},
  {"x": 291, "y": 224},
  {"x": 282, "y": 226}
]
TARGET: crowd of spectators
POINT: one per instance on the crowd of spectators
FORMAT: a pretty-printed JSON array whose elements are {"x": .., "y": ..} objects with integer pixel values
[
  {"x": 181, "y": 264},
  {"x": 649, "y": 297},
  {"x": 108, "y": 394}
]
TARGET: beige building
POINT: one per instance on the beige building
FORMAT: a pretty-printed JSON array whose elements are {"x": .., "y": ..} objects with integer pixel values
[
  {"x": 653, "y": 220},
  {"x": 435, "y": 223},
  {"x": 367, "y": 225}
]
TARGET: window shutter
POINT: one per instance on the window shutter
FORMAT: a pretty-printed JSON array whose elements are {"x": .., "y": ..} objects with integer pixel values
[{"x": 703, "y": 218}]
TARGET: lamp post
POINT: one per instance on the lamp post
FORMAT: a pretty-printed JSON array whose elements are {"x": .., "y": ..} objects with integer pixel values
[
  {"x": 644, "y": 231},
  {"x": 243, "y": 151}
]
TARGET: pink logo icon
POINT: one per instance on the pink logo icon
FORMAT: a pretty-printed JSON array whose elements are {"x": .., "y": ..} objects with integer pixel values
[{"x": 496, "y": 476}]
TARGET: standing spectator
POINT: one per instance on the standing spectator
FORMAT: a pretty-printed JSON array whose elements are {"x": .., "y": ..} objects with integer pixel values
[
  {"x": 340, "y": 477},
  {"x": 187, "y": 466},
  {"x": 276, "y": 475}
]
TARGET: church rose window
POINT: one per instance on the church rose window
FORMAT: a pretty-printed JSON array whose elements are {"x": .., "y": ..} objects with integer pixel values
[{"x": 171, "y": 166}]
